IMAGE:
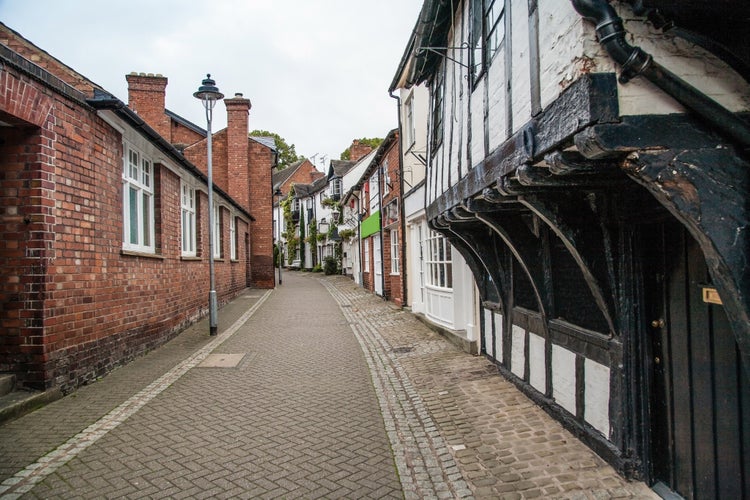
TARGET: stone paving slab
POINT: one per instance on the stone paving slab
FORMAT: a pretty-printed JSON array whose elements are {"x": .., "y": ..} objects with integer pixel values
[{"x": 504, "y": 445}]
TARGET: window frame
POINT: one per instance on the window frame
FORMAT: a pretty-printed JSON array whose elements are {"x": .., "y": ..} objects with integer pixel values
[
  {"x": 232, "y": 237},
  {"x": 409, "y": 128},
  {"x": 487, "y": 34},
  {"x": 138, "y": 178},
  {"x": 438, "y": 262},
  {"x": 386, "y": 177},
  {"x": 366, "y": 255},
  {"x": 188, "y": 211},
  {"x": 438, "y": 103},
  {"x": 395, "y": 262},
  {"x": 217, "y": 231}
]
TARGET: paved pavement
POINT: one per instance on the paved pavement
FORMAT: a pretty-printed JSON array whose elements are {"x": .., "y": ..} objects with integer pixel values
[{"x": 314, "y": 390}]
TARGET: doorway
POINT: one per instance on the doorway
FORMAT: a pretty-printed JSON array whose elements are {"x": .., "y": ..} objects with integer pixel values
[
  {"x": 700, "y": 394},
  {"x": 377, "y": 257}
]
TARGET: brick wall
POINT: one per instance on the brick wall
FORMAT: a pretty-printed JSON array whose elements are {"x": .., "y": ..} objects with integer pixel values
[
  {"x": 306, "y": 173},
  {"x": 261, "y": 208},
  {"x": 74, "y": 305},
  {"x": 146, "y": 95},
  {"x": 393, "y": 282}
]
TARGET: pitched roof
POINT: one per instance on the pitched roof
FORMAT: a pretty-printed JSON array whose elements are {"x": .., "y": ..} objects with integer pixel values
[
  {"x": 339, "y": 168},
  {"x": 268, "y": 142},
  {"x": 186, "y": 123},
  {"x": 305, "y": 190},
  {"x": 279, "y": 177}
]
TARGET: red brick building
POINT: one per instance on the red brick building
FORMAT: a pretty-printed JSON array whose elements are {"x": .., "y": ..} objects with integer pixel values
[
  {"x": 382, "y": 226},
  {"x": 103, "y": 220}
]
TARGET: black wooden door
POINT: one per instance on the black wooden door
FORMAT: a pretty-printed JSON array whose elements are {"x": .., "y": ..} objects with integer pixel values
[{"x": 700, "y": 396}]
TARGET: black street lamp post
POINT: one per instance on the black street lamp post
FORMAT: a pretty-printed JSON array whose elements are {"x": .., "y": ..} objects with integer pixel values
[{"x": 209, "y": 93}]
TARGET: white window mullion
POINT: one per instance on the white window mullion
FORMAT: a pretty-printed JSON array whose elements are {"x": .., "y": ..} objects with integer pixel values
[
  {"x": 232, "y": 237},
  {"x": 138, "y": 202}
]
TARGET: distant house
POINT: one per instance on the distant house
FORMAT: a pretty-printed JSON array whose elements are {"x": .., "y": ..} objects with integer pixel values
[
  {"x": 104, "y": 213},
  {"x": 589, "y": 161},
  {"x": 352, "y": 214},
  {"x": 378, "y": 196},
  {"x": 300, "y": 172}
]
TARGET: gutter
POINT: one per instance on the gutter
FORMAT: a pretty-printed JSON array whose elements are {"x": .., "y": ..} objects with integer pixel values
[
  {"x": 103, "y": 101},
  {"x": 636, "y": 62}
]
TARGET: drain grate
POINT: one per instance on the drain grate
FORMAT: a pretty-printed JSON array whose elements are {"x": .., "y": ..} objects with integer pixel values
[{"x": 403, "y": 349}]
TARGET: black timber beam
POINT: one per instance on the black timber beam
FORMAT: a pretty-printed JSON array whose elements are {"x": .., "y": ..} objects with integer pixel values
[{"x": 589, "y": 100}]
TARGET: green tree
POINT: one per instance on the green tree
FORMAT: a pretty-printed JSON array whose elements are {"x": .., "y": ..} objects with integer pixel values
[
  {"x": 287, "y": 153},
  {"x": 373, "y": 142}
]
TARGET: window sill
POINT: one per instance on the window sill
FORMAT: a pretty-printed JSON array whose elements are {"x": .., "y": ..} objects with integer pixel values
[
  {"x": 235, "y": 261},
  {"x": 133, "y": 253},
  {"x": 191, "y": 258}
]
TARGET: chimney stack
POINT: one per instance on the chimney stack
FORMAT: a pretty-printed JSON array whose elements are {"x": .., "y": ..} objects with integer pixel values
[
  {"x": 358, "y": 151},
  {"x": 237, "y": 176},
  {"x": 146, "y": 97}
]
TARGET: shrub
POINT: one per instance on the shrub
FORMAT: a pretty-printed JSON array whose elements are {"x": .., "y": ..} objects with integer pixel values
[{"x": 330, "y": 265}]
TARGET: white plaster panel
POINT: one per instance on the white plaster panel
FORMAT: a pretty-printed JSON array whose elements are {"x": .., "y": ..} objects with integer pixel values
[
  {"x": 564, "y": 378},
  {"x": 496, "y": 97},
  {"x": 567, "y": 49},
  {"x": 596, "y": 396},
  {"x": 477, "y": 125},
  {"x": 499, "y": 337},
  {"x": 537, "y": 363},
  {"x": 520, "y": 78},
  {"x": 488, "y": 333},
  {"x": 517, "y": 357}
]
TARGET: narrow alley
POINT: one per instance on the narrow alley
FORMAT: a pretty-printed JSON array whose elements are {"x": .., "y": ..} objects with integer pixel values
[{"x": 317, "y": 389}]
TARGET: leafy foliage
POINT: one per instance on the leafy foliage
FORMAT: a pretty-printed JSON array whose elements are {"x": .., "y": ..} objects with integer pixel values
[
  {"x": 287, "y": 153},
  {"x": 373, "y": 142}
]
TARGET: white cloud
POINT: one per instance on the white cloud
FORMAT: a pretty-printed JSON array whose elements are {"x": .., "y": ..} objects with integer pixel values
[{"x": 316, "y": 72}]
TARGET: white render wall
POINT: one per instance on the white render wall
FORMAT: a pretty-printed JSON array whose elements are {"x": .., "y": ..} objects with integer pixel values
[{"x": 595, "y": 382}]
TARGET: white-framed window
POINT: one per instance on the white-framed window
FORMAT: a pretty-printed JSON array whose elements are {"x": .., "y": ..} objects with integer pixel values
[
  {"x": 336, "y": 188},
  {"x": 187, "y": 204},
  {"x": 487, "y": 33},
  {"x": 439, "y": 263},
  {"x": 233, "y": 237},
  {"x": 138, "y": 201},
  {"x": 395, "y": 268},
  {"x": 374, "y": 193},
  {"x": 437, "y": 87},
  {"x": 217, "y": 231},
  {"x": 409, "y": 132},
  {"x": 386, "y": 178},
  {"x": 366, "y": 243}
]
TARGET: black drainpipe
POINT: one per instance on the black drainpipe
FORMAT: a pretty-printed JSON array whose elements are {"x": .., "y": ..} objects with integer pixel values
[{"x": 635, "y": 61}]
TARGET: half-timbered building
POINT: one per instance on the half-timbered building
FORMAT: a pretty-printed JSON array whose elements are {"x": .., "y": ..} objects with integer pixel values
[{"x": 589, "y": 160}]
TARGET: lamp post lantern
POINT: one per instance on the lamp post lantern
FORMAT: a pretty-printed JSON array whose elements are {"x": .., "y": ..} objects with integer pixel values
[
  {"x": 209, "y": 93},
  {"x": 278, "y": 240}
]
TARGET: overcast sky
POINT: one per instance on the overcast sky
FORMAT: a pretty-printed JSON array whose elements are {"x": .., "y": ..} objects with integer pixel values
[{"x": 316, "y": 71}]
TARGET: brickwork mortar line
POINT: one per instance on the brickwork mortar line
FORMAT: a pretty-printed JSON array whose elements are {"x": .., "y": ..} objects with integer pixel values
[
  {"x": 24, "y": 480},
  {"x": 422, "y": 457}
]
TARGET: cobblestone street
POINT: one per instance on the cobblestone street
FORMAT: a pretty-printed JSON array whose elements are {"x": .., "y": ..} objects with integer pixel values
[{"x": 314, "y": 390}]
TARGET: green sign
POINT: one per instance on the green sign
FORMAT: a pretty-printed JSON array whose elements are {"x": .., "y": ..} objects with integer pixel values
[{"x": 370, "y": 225}]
